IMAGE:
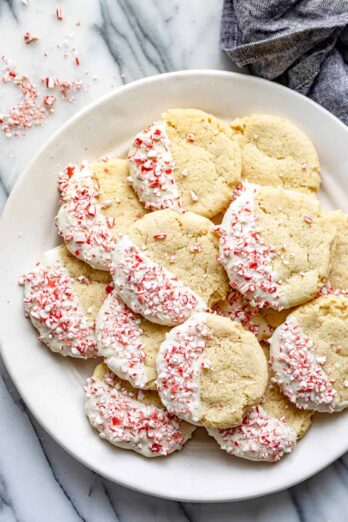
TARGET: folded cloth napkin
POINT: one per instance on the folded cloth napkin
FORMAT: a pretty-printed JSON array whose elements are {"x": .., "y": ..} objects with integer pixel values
[{"x": 300, "y": 43}]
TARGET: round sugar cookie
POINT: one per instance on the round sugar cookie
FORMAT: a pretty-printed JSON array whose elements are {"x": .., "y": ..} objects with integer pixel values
[
  {"x": 269, "y": 430},
  {"x": 128, "y": 343},
  {"x": 337, "y": 282},
  {"x": 62, "y": 296},
  {"x": 185, "y": 161},
  {"x": 97, "y": 206},
  {"x": 211, "y": 371},
  {"x": 259, "y": 321},
  {"x": 276, "y": 152},
  {"x": 166, "y": 266},
  {"x": 309, "y": 355},
  {"x": 275, "y": 245},
  {"x": 132, "y": 419}
]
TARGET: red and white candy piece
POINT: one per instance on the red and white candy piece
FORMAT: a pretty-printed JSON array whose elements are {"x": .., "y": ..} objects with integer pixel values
[
  {"x": 80, "y": 220},
  {"x": 150, "y": 289},
  {"x": 245, "y": 256},
  {"x": 179, "y": 363},
  {"x": 54, "y": 309},
  {"x": 122, "y": 419},
  {"x": 152, "y": 167},
  {"x": 298, "y": 371},
  {"x": 260, "y": 437},
  {"x": 119, "y": 332}
]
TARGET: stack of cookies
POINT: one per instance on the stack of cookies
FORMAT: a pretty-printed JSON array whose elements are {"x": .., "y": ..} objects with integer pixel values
[{"x": 204, "y": 273}]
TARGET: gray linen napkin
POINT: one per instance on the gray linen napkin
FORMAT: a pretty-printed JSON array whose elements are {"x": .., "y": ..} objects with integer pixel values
[{"x": 300, "y": 43}]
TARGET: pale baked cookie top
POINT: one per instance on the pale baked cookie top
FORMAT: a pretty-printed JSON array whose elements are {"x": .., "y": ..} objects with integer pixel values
[
  {"x": 166, "y": 267},
  {"x": 276, "y": 152},
  {"x": 97, "y": 205},
  {"x": 185, "y": 161},
  {"x": 128, "y": 343},
  {"x": 275, "y": 245},
  {"x": 309, "y": 354},
  {"x": 259, "y": 321},
  {"x": 337, "y": 282},
  {"x": 62, "y": 296},
  {"x": 269, "y": 430},
  {"x": 211, "y": 371},
  {"x": 132, "y": 419}
]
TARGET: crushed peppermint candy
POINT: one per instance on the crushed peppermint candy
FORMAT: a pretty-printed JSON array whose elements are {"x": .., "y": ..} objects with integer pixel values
[
  {"x": 53, "y": 308},
  {"x": 122, "y": 419},
  {"x": 297, "y": 369},
  {"x": 260, "y": 437},
  {"x": 80, "y": 220},
  {"x": 152, "y": 167},
  {"x": 30, "y": 38},
  {"x": 119, "y": 339},
  {"x": 150, "y": 289},
  {"x": 328, "y": 289},
  {"x": 245, "y": 255},
  {"x": 179, "y": 363},
  {"x": 239, "y": 309}
]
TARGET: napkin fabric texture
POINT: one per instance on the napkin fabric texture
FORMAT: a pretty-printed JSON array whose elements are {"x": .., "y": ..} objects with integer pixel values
[{"x": 300, "y": 43}]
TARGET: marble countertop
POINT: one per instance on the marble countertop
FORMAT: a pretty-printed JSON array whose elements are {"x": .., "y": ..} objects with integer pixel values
[{"x": 101, "y": 44}]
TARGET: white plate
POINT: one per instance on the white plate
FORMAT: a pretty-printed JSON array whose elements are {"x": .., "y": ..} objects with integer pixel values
[{"x": 51, "y": 385}]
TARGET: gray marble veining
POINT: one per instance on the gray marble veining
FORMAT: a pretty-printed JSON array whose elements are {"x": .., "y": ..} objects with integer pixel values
[{"x": 118, "y": 41}]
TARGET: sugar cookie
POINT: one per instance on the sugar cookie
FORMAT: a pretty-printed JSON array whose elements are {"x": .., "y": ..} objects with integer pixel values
[
  {"x": 309, "y": 354},
  {"x": 276, "y": 246},
  {"x": 62, "y": 296},
  {"x": 97, "y": 205},
  {"x": 211, "y": 371},
  {"x": 276, "y": 152},
  {"x": 132, "y": 419},
  {"x": 186, "y": 161}
]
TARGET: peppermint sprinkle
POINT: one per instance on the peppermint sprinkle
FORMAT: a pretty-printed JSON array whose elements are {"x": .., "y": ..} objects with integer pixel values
[
  {"x": 152, "y": 169},
  {"x": 119, "y": 340},
  {"x": 260, "y": 437},
  {"x": 149, "y": 289},
  {"x": 298, "y": 371},
  {"x": 122, "y": 419},
  {"x": 29, "y": 38},
  {"x": 194, "y": 195},
  {"x": 179, "y": 363},
  {"x": 159, "y": 237},
  {"x": 244, "y": 254},
  {"x": 80, "y": 220},
  {"x": 54, "y": 310},
  {"x": 59, "y": 14}
]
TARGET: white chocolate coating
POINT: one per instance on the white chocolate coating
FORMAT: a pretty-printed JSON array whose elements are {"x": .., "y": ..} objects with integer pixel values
[
  {"x": 122, "y": 419},
  {"x": 246, "y": 258},
  {"x": 54, "y": 310},
  {"x": 152, "y": 167},
  {"x": 259, "y": 438},
  {"x": 81, "y": 222},
  {"x": 179, "y": 363},
  {"x": 298, "y": 371},
  {"x": 118, "y": 333},
  {"x": 149, "y": 289}
]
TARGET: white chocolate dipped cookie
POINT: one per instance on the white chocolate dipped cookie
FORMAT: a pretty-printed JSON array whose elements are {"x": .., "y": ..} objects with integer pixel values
[
  {"x": 97, "y": 206},
  {"x": 128, "y": 343},
  {"x": 259, "y": 321},
  {"x": 211, "y": 371},
  {"x": 276, "y": 152},
  {"x": 166, "y": 267},
  {"x": 185, "y": 161},
  {"x": 62, "y": 296},
  {"x": 275, "y": 245},
  {"x": 132, "y": 419},
  {"x": 269, "y": 430},
  {"x": 309, "y": 355}
]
